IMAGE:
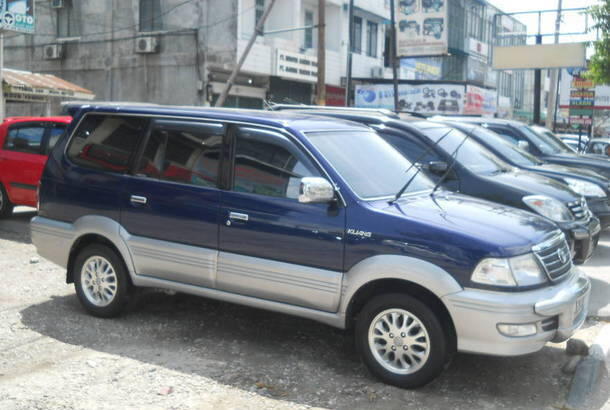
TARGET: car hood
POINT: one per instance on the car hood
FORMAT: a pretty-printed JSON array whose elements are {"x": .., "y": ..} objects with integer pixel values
[
  {"x": 529, "y": 183},
  {"x": 567, "y": 171},
  {"x": 471, "y": 222},
  {"x": 599, "y": 165}
]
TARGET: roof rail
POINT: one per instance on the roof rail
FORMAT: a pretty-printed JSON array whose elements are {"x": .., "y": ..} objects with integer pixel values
[{"x": 379, "y": 111}]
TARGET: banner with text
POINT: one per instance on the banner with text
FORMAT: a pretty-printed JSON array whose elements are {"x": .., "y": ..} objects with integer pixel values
[
  {"x": 421, "y": 28},
  {"x": 480, "y": 101}
]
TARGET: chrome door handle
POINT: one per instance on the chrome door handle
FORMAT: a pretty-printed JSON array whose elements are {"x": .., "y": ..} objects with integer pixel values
[
  {"x": 138, "y": 200},
  {"x": 236, "y": 216}
]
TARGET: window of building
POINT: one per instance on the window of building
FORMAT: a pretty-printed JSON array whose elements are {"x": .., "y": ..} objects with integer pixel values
[
  {"x": 357, "y": 35},
  {"x": 106, "y": 142},
  {"x": 371, "y": 39},
  {"x": 187, "y": 153},
  {"x": 25, "y": 139},
  {"x": 150, "y": 15},
  {"x": 259, "y": 10},
  {"x": 268, "y": 163},
  {"x": 308, "y": 32},
  {"x": 67, "y": 21}
]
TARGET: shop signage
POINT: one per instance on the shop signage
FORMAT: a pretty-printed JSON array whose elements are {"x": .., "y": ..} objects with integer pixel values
[
  {"x": 296, "y": 66},
  {"x": 17, "y": 15},
  {"x": 422, "y": 68},
  {"x": 480, "y": 101},
  {"x": 421, "y": 28},
  {"x": 582, "y": 101},
  {"x": 478, "y": 50}
]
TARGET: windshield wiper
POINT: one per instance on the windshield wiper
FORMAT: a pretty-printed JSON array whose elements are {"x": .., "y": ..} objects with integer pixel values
[
  {"x": 450, "y": 167},
  {"x": 426, "y": 152}
]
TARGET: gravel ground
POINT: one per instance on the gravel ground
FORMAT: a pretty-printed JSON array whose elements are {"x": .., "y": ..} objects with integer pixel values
[{"x": 182, "y": 352}]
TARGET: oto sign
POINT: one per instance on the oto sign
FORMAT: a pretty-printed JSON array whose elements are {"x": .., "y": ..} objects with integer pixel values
[{"x": 17, "y": 15}]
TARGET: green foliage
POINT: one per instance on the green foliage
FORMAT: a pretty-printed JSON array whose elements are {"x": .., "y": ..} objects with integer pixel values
[{"x": 599, "y": 66}]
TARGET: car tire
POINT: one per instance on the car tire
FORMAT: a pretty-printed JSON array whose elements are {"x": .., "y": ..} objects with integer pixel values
[
  {"x": 6, "y": 207},
  {"x": 417, "y": 345},
  {"x": 101, "y": 281}
]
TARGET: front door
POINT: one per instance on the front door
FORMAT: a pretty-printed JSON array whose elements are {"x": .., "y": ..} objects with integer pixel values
[
  {"x": 171, "y": 202},
  {"x": 271, "y": 245}
]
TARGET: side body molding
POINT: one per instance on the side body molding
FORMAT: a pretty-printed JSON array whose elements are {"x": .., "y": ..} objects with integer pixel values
[{"x": 420, "y": 272}]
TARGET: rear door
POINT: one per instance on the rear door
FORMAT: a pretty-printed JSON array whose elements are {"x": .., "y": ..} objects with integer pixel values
[
  {"x": 22, "y": 160},
  {"x": 272, "y": 246},
  {"x": 171, "y": 201}
]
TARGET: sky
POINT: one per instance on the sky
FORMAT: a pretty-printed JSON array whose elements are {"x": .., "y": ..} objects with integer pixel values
[{"x": 572, "y": 21}]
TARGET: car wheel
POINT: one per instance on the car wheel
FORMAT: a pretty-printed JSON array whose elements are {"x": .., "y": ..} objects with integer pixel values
[
  {"x": 401, "y": 340},
  {"x": 101, "y": 281},
  {"x": 6, "y": 207}
]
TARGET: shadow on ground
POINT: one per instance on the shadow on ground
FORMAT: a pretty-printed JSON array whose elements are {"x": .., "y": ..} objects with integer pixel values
[
  {"x": 17, "y": 226},
  {"x": 302, "y": 361}
]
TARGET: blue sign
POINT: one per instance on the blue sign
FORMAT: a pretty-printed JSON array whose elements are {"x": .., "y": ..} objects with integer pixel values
[{"x": 423, "y": 68}]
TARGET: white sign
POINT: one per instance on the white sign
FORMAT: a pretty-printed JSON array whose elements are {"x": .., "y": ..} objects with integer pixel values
[
  {"x": 540, "y": 56},
  {"x": 296, "y": 66},
  {"x": 477, "y": 49},
  {"x": 422, "y": 98},
  {"x": 421, "y": 28}
]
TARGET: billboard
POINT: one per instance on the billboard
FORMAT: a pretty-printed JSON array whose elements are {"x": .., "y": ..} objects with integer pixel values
[
  {"x": 540, "y": 56},
  {"x": 422, "y": 98},
  {"x": 480, "y": 101},
  {"x": 421, "y": 28},
  {"x": 422, "y": 68},
  {"x": 17, "y": 15}
]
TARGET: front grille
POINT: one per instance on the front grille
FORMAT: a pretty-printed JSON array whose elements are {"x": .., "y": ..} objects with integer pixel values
[
  {"x": 580, "y": 209},
  {"x": 554, "y": 256}
]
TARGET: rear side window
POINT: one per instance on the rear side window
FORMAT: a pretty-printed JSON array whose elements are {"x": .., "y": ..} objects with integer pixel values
[
  {"x": 188, "y": 153},
  {"x": 106, "y": 142},
  {"x": 25, "y": 139}
]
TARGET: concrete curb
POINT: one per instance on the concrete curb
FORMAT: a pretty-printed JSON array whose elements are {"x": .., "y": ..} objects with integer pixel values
[{"x": 590, "y": 371}]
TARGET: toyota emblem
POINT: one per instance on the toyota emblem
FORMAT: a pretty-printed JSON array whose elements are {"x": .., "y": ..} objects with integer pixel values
[{"x": 563, "y": 256}]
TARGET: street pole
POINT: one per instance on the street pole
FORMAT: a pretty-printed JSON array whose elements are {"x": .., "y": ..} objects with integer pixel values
[
  {"x": 537, "y": 78},
  {"x": 321, "y": 97},
  {"x": 258, "y": 29},
  {"x": 2, "y": 102},
  {"x": 552, "y": 103},
  {"x": 348, "y": 80},
  {"x": 394, "y": 57}
]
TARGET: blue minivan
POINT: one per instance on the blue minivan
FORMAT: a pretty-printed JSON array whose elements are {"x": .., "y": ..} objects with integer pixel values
[{"x": 300, "y": 214}]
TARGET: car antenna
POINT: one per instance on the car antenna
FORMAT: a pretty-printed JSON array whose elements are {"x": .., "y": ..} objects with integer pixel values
[
  {"x": 426, "y": 152},
  {"x": 450, "y": 167}
]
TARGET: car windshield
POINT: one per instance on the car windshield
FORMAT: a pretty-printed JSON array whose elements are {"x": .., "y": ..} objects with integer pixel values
[
  {"x": 471, "y": 155},
  {"x": 505, "y": 149},
  {"x": 367, "y": 163},
  {"x": 545, "y": 143}
]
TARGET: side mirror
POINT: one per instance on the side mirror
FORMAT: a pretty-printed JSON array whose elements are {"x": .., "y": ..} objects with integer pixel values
[
  {"x": 524, "y": 145},
  {"x": 438, "y": 167},
  {"x": 315, "y": 190}
]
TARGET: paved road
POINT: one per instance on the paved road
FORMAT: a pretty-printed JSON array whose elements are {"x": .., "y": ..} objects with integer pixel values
[{"x": 188, "y": 353}]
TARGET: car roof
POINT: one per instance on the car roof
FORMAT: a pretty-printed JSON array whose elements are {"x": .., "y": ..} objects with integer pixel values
[
  {"x": 476, "y": 119},
  {"x": 304, "y": 122},
  {"x": 606, "y": 140}
]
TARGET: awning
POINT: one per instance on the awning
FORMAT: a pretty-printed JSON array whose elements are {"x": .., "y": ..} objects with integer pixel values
[{"x": 34, "y": 87}]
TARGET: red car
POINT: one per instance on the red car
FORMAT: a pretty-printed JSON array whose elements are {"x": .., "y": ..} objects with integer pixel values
[{"x": 25, "y": 143}]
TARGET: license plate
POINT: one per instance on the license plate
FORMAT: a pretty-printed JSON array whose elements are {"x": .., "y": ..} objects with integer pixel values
[{"x": 578, "y": 307}]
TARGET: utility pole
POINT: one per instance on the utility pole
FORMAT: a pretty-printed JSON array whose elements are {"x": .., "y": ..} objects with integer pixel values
[
  {"x": 258, "y": 29},
  {"x": 348, "y": 81},
  {"x": 321, "y": 97},
  {"x": 537, "y": 78},
  {"x": 394, "y": 57},
  {"x": 552, "y": 102}
]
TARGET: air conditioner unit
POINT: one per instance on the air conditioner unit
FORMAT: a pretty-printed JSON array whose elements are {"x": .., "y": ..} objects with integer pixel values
[
  {"x": 377, "y": 72},
  {"x": 53, "y": 51},
  {"x": 147, "y": 45},
  {"x": 57, "y": 4}
]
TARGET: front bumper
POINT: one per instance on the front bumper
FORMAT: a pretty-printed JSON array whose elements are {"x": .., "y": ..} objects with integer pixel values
[
  {"x": 601, "y": 209},
  {"x": 582, "y": 237},
  {"x": 557, "y": 312}
]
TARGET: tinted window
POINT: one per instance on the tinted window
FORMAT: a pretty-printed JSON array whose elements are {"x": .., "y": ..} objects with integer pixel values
[
  {"x": 25, "y": 139},
  {"x": 368, "y": 164},
  {"x": 414, "y": 150},
  {"x": 183, "y": 152},
  {"x": 545, "y": 143},
  {"x": 505, "y": 149},
  {"x": 507, "y": 134},
  {"x": 268, "y": 163},
  {"x": 106, "y": 142},
  {"x": 470, "y": 154},
  {"x": 55, "y": 132}
]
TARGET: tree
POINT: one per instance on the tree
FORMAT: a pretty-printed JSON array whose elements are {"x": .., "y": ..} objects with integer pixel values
[{"x": 599, "y": 66}]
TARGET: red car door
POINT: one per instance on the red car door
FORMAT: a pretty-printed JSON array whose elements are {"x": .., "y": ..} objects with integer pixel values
[{"x": 22, "y": 160}]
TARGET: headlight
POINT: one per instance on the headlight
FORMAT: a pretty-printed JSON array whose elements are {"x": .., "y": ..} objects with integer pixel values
[
  {"x": 518, "y": 271},
  {"x": 585, "y": 188},
  {"x": 548, "y": 207}
]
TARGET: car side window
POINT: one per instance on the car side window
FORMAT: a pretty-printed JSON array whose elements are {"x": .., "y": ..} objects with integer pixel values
[
  {"x": 505, "y": 133},
  {"x": 410, "y": 147},
  {"x": 106, "y": 142},
  {"x": 27, "y": 139},
  {"x": 184, "y": 152},
  {"x": 268, "y": 163}
]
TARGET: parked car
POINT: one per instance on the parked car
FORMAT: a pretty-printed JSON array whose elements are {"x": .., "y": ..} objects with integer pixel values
[
  {"x": 599, "y": 146},
  {"x": 24, "y": 146},
  {"x": 296, "y": 215},
  {"x": 593, "y": 186},
  {"x": 542, "y": 146},
  {"x": 574, "y": 141},
  {"x": 480, "y": 173}
]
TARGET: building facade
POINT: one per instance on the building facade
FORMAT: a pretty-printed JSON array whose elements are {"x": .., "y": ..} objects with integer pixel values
[{"x": 182, "y": 51}]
